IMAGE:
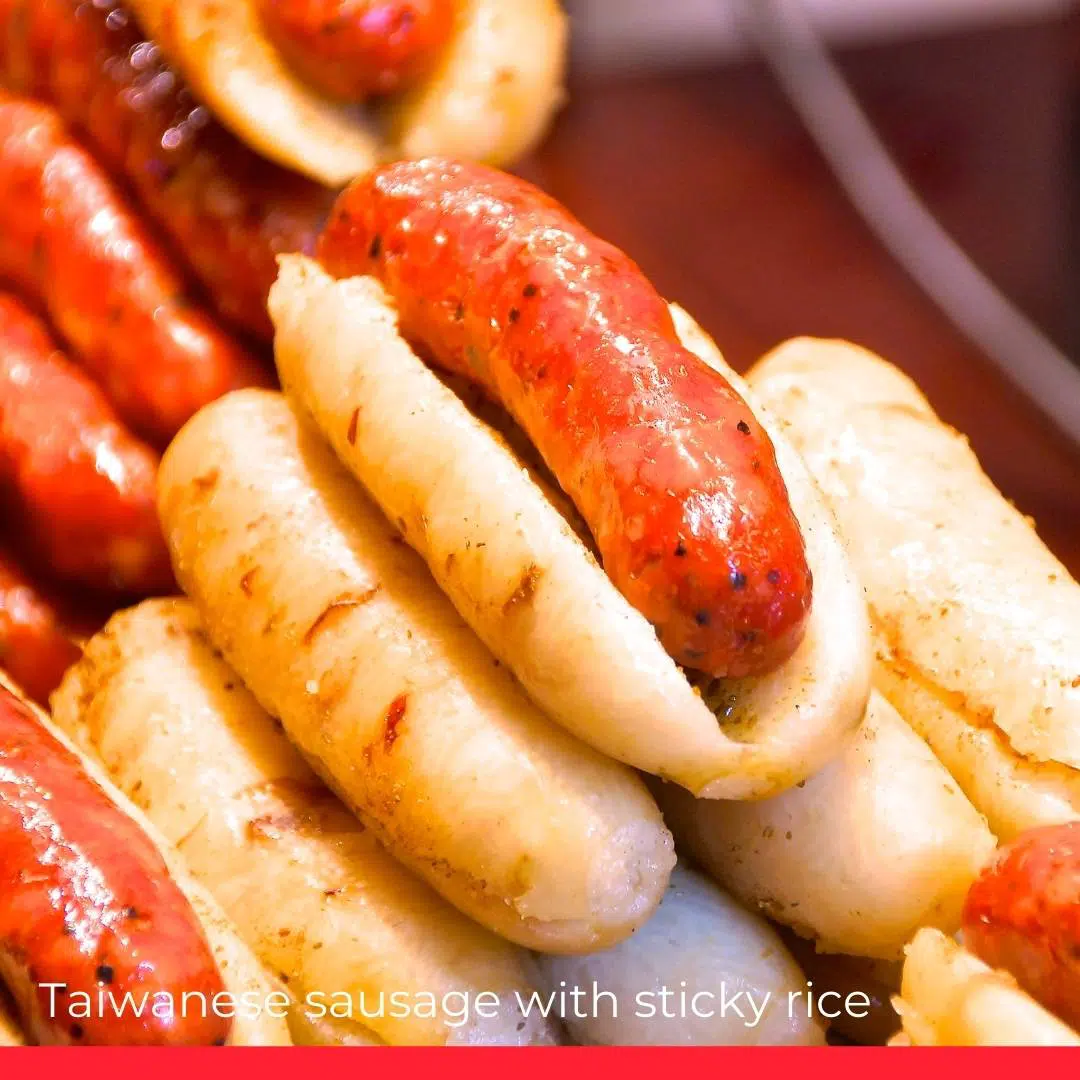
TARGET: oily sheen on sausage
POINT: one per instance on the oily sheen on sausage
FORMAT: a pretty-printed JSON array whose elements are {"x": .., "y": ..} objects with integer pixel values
[
  {"x": 1023, "y": 915},
  {"x": 227, "y": 211},
  {"x": 667, "y": 464},
  {"x": 69, "y": 238},
  {"x": 35, "y": 648},
  {"x": 76, "y": 485},
  {"x": 351, "y": 48},
  {"x": 87, "y": 901}
]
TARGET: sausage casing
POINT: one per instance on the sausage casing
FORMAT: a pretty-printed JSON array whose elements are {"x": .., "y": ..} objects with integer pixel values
[
  {"x": 670, "y": 468},
  {"x": 81, "y": 485},
  {"x": 35, "y": 648},
  {"x": 86, "y": 901},
  {"x": 352, "y": 48},
  {"x": 68, "y": 237},
  {"x": 1023, "y": 915},
  {"x": 227, "y": 211}
]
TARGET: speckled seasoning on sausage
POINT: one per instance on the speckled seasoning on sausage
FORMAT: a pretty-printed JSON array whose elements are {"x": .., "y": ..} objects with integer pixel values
[
  {"x": 1023, "y": 915},
  {"x": 675, "y": 477},
  {"x": 68, "y": 238},
  {"x": 350, "y": 49},
  {"x": 227, "y": 211},
  {"x": 35, "y": 649},
  {"x": 87, "y": 901},
  {"x": 78, "y": 487}
]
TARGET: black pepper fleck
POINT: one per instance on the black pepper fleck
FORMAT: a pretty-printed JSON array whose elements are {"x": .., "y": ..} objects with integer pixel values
[
  {"x": 738, "y": 579},
  {"x": 744, "y": 427},
  {"x": 680, "y": 549},
  {"x": 773, "y": 577},
  {"x": 701, "y": 618},
  {"x": 529, "y": 290},
  {"x": 76, "y": 1031},
  {"x": 376, "y": 247},
  {"x": 513, "y": 315},
  {"x": 104, "y": 974}
]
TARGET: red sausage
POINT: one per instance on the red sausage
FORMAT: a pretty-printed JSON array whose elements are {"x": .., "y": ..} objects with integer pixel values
[
  {"x": 1023, "y": 915},
  {"x": 87, "y": 901},
  {"x": 667, "y": 465},
  {"x": 69, "y": 238},
  {"x": 35, "y": 648},
  {"x": 350, "y": 49},
  {"x": 227, "y": 211},
  {"x": 82, "y": 487}
]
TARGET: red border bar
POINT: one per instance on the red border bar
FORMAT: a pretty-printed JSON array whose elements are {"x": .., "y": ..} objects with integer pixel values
[{"x": 753, "y": 1063}]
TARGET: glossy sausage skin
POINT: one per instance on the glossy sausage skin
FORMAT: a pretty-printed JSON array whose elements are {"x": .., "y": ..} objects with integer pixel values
[
  {"x": 86, "y": 900},
  {"x": 79, "y": 486},
  {"x": 1023, "y": 915},
  {"x": 35, "y": 648},
  {"x": 226, "y": 210},
  {"x": 668, "y": 466},
  {"x": 350, "y": 49},
  {"x": 68, "y": 238}
]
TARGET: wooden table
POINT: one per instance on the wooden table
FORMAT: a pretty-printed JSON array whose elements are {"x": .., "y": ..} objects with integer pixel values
[{"x": 708, "y": 180}]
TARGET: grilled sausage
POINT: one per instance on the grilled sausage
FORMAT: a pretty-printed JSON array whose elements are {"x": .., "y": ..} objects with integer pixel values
[
  {"x": 226, "y": 210},
  {"x": 951, "y": 998},
  {"x": 35, "y": 647},
  {"x": 670, "y": 468},
  {"x": 1023, "y": 915},
  {"x": 87, "y": 902},
  {"x": 349, "y": 49},
  {"x": 68, "y": 237},
  {"x": 82, "y": 487}
]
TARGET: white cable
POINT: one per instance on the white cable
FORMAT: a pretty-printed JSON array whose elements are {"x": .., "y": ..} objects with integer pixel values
[{"x": 818, "y": 91}]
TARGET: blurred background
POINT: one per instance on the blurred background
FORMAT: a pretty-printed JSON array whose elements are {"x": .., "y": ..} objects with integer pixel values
[{"x": 679, "y": 145}]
